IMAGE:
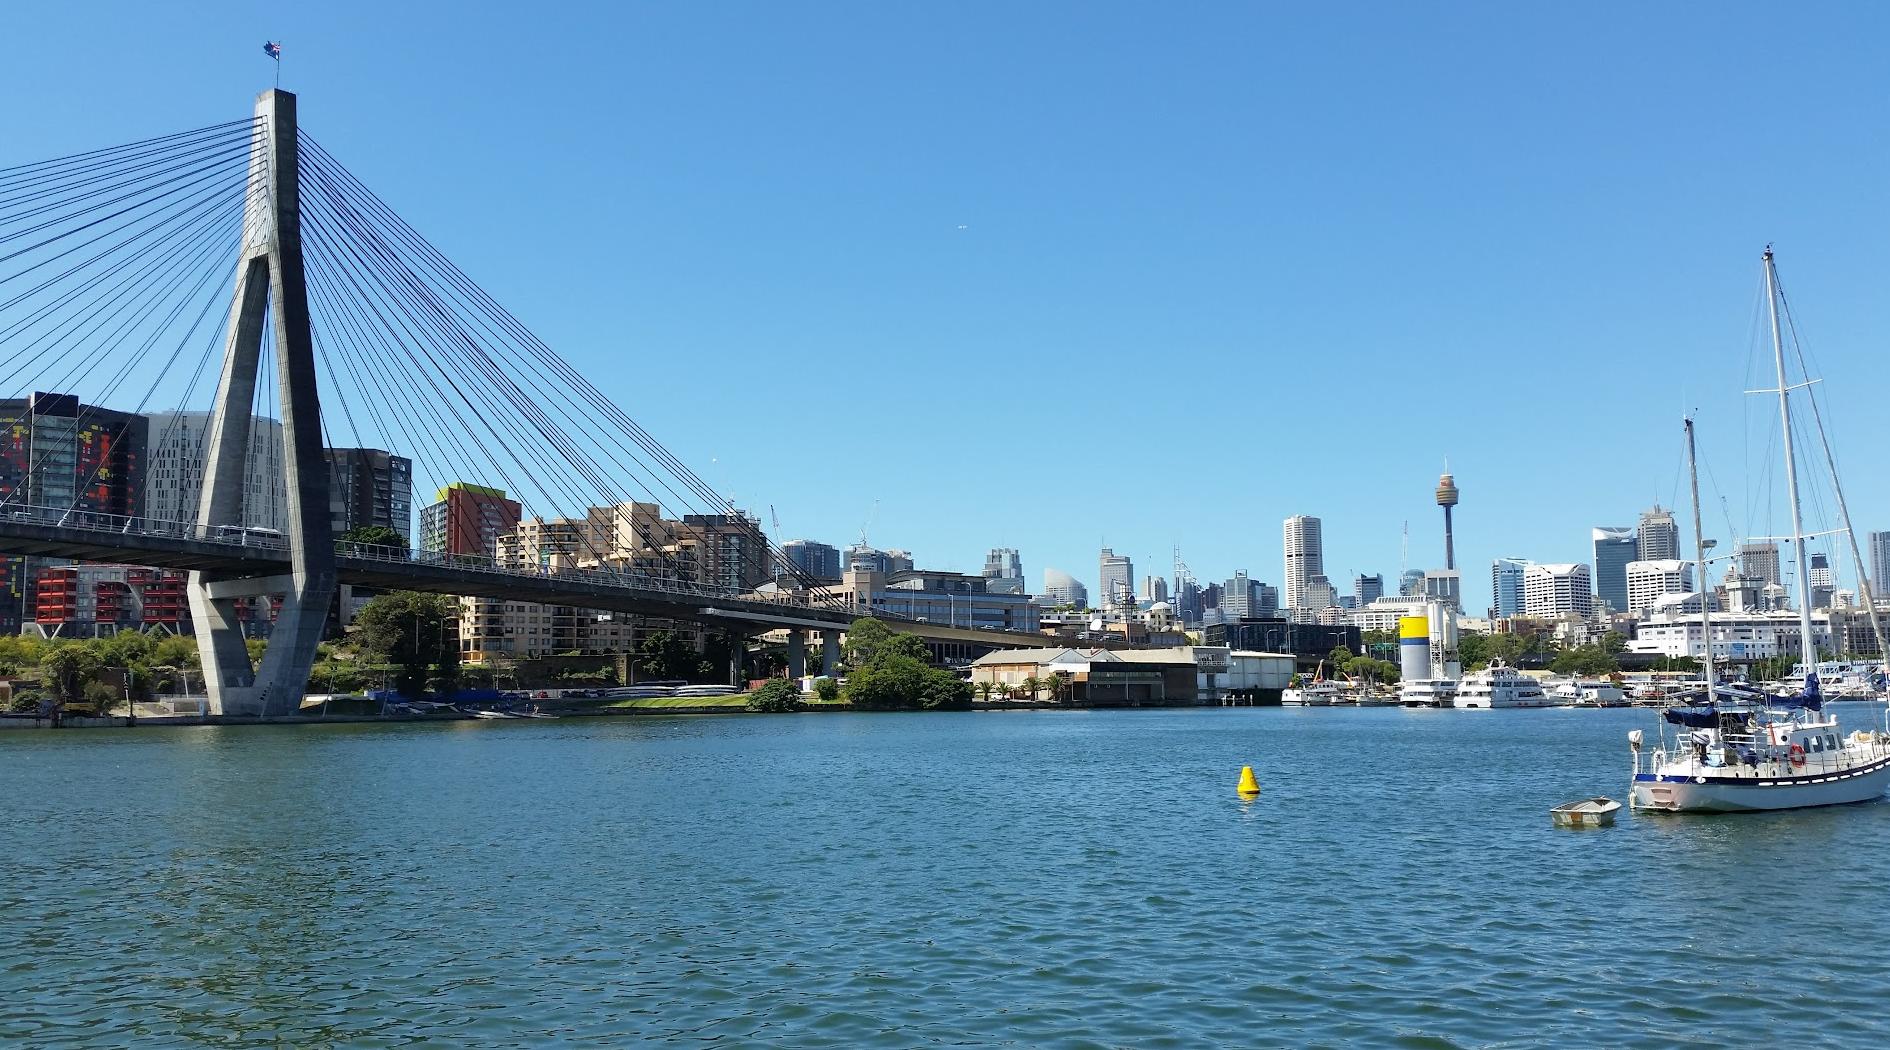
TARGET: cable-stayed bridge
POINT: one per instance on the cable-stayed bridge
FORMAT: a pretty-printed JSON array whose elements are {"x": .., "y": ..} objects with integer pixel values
[{"x": 116, "y": 284}]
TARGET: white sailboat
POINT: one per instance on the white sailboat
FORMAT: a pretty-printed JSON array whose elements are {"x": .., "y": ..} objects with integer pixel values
[{"x": 1777, "y": 752}]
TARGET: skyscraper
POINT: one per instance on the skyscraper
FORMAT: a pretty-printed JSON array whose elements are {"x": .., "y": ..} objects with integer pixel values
[
  {"x": 1305, "y": 557},
  {"x": 1118, "y": 578},
  {"x": 1154, "y": 589},
  {"x": 1367, "y": 589},
  {"x": 173, "y": 478},
  {"x": 1823, "y": 581},
  {"x": 1760, "y": 561},
  {"x": 1557, "y": 590},
  {"x": 813, "y": 558},
  {"x": 1411, "y": 583},
  {"x": 1879, "y": 555},
  {"x": 1614, "y": 548},
  {"x": 1649, "y": 580},
  {"x": 1060, "y": 588},
  {"x": 467, "y": 519},
  {"x": 1659, "y": 538},
  {"x": 1506, "y": 587},
  {"x": 370, "y": 486}
]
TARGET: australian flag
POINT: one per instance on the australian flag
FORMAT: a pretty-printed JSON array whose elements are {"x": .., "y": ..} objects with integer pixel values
[{"x": 273, "y": 50}]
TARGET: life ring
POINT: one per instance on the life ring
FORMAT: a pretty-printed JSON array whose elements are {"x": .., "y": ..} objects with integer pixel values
[{"x": 1798, "y": 755}]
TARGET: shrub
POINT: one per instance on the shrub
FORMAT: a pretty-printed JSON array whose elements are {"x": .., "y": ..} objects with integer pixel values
[
  {"x": 827, "y": 689},
  {"x": 776, "y": 696}
]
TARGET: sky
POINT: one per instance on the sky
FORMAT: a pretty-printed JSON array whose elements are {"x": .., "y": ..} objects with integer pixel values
[{"x": 1056, "y": 275}]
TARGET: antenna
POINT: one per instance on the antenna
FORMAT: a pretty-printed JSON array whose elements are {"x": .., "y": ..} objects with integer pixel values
[
  {"x": 868, "y": 523},
  {"x": 1404, "y": 553}
]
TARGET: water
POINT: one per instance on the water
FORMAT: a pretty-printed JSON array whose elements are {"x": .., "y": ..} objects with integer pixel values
[{"x": 1031, "y": 879}]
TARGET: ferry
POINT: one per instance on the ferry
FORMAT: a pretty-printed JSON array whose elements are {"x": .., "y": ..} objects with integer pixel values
[
  {"x": 1588, "y": 694},
  {"x": 1427, "y": 692},
  {"x": 1312, "y": 694},
  {"x": 1500, "y": 685}
]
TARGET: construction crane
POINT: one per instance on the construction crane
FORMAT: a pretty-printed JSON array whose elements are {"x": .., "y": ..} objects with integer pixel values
[{"x": 868, "y": 523}]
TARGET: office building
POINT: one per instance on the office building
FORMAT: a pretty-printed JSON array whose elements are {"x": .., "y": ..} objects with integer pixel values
[
  {"x": 1004, "y": 571},
  {"x": 1878, "y": 555},
  {"x": 812, "y": 559},
  {"x": 1305, "y": 557},
  {"x": 1649, "y": 580},
  {"x": 57, "y": 454},
  {"x": 1823, "y": 582},
  {"x": 1117, "y": 579},
  {"x": 1506, "y": 587},
  {"x": 369, "y": 487},
  {"x": 467, "y": 519},
  {"x": 1154, "y": 589},
  {"x": 1614, "y": 548},
  {"x": 1367, "y": 589},
  {"x": 1411, "y": 583},
  {"x": 1759, "y": 560},
  {"x": 1060, "y": 589},
  {"x": 1659, "y": 537},
  {"x": 1188, "y": 603},
  {"x": 1551, "y": 591},
  {"x": 1741, "y": 637}
]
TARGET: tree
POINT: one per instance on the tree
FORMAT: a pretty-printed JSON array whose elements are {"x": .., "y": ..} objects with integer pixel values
[
  {"x": 827, "y": 690},
  {"x": 1614, "y": 642},
  {"x": 662, "y": 655},
  {"x": 890, "y": 671},
  {"x": 415, "y": 632},
  {"x": 1032, "y": 686},
  {"x": 778, "y": 695},
  {"x": 66, "y": 669},
  {"x": 984, "y": 691},
  {"x": 1339, "y": 657},
  {"x": 374, "y": 536},
  {"x": 868, "y": 639},
  {"x": 1060, "y": 682}
]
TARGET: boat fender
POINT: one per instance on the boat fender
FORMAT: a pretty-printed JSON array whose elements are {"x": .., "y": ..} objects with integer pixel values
[{"x": 1798, "y": 754}]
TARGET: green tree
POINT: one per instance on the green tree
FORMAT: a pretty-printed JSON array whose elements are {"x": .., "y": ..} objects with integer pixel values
[
  {"x": 373, "y": 536},
  {"x": 1614, "y": 642},
  {"x": 1339, "y": 656},
  {"x": 869, "y": 639},
  {"x": 662, "y": 656},
  {"x": 1032, "y": 686},
  {"x": 66, "y": 669},
  {"x": 778, "y": 695},
  {"x": 415, "y": 632},
  {"x": 827, "y": 690},
  {"x": 1060, "y": 683}
]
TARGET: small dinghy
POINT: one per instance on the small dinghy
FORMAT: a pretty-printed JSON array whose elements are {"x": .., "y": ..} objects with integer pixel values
[{"x": 1588, "y": 813}]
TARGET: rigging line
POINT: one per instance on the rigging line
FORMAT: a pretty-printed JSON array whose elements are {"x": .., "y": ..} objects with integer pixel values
[
  {"x": 232, "y": 154},
  {"x": 440, "y": 395},
  {"x": 196, "y": 208},
  {"x": 205, "y": 224},
  {"x": 7, "y": 172},
  {"x": 143, "y": 203},
  {"x": 453, "y": 273},
  {"x": 104, "y": 350},
  {"x": 124, "y": 292},
  {"x": 433, "y": 319},
  {"x": 209, "y": 304}
]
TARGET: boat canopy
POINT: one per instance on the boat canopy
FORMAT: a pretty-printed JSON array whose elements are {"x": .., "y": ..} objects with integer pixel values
[
  {"x": 1696, "y": 717},
  {"x": 1809, "y": 697}
]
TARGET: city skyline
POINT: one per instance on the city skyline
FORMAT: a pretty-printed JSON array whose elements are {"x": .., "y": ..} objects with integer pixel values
[{"x": 966, "y": 233}]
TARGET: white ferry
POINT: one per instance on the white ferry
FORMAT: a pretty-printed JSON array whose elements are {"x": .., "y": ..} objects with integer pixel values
[
  {"x": 1312, "y": 694},
  {"x": 1427, "y": 692},
  {"x": 1588, "y": 694},
  {"x": 1500, "y": 685}
]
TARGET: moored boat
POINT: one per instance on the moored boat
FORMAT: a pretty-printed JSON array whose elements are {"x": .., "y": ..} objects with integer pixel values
[{"x": 1500, "y": 685}]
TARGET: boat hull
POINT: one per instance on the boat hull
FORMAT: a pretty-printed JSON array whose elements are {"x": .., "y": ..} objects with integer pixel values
[{"x": 1702, "y": 794}]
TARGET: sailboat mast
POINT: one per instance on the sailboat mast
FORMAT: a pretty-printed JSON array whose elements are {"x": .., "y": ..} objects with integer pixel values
[
  {"x": 1807, "y": 650},
  {"x": 1699, "y": 555}
]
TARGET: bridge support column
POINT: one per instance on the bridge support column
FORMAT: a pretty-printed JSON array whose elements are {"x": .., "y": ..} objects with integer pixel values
[
  {"x": 269, "y": 280},
  {"x": 737, "y": 649},
  {"x": 830, "y": 653},
  {"x": 797, "y": 654}
]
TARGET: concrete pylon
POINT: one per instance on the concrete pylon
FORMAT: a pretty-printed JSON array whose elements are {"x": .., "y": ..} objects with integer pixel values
[{"x": 269, "y": 278}]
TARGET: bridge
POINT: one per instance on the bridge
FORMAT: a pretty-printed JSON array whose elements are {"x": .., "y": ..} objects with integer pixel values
[{"x": 111, "y": 265}]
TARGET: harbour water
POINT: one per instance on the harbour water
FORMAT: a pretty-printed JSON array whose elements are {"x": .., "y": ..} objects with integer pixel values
[{"x": 1030, "y": 878}]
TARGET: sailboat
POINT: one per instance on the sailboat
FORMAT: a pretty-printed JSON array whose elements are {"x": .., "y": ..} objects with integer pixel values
[{"x": 1769, "y": 752}]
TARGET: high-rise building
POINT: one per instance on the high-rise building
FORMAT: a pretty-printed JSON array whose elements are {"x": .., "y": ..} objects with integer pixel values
[
  {"x": 1061, "y": 589},
  {"x": 1446, "y": 586},
  {"x": 1117, "y": 578},
  {"x": 1367, "y": 589},
  {"x": 370, "y": 486},
  {"x": 1879, "y": 555},
  {"x": 1823, "y": 581},
  {"x": 1411, "y": 583},
  {"x": 467, "y": 519},
  {"x": 1760, "y": 561},
  {"x": 173, "y": 477},
  {"x": 1649, "y": 580},
  {"x": 813, "y": 558},
  {"x": 1305, "y": 557},
  {"x": 1506, "y": 587},
  {"x": 1558, "y": 590},
  {"x": 1239, "y": 597},
  {"x": 729, "y": 550},
  {"x": 1154, "y": 589},
  {"x": 1614, "y": 548},
  {"x": 1004, "y": 572},
  {"x": 1659, "y": 537},
  {"x": 58, "y": 454},
  {"x": 1188, "y": 604}
]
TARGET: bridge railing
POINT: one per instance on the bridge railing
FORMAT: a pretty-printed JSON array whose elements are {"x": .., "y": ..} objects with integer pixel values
[{"x": 248, "y": 537}]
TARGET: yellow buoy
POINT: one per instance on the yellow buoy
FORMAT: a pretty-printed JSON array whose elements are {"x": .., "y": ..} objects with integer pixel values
[{"x": 1248, "y": 787}]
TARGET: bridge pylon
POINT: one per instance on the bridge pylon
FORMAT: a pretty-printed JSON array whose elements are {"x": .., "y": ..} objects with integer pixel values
[{"x": 269, "y": 284}]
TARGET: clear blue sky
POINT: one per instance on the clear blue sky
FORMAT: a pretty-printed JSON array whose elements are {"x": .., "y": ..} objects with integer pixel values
[{"x": 1037, "y": 275}]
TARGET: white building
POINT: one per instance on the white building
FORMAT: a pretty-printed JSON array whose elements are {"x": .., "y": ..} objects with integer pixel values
[
  {"x": 1741, "y": 637},
  {"x": 173, "y": 476},
  {"x": 1117, "y": 578},
  {"x": 1558, "y": 590},
  {"x": 1060, "y": 588},
  {"x": 1305, "y": 558},
  {"x": 1648, "y": 580}
]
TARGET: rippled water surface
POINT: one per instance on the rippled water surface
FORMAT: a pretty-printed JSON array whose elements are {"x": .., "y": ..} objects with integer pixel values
[{"x": 1032, "y": 879}]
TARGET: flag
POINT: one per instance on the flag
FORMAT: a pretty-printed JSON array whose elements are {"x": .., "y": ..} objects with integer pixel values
[{"x": 272, "y": 49}]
